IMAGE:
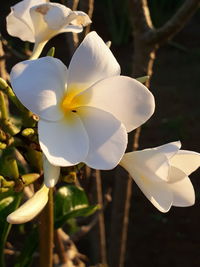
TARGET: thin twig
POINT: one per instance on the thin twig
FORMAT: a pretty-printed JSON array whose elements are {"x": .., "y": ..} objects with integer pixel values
[
  {"x": 127, "y": 206},
  {"x": 90, "y": 14},
  {"x": 60, "y": 246}
]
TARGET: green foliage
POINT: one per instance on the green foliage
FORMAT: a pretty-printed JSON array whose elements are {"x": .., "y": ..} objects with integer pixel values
[
  {"x": 9, "y": 201},
  {"x": 71, "y": 202}
]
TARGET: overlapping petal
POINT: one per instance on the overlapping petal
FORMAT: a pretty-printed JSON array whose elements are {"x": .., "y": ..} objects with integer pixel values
[
  {"x": 107, "y": 138},
  {"x": 187, "y": 161},
  {"x": 65, "y": 142},
  {"x": 181, "y": 187},
  {"x": 161, "y": 173},
  {"x": 31, "y": 208},
  {"x": 125, "y": 98},
  {"x": 38, "y": 21},
  {"x": 155, "y": 189},
  {"x": 40, "y": 84},
  {"x": 91, "y": 62}
]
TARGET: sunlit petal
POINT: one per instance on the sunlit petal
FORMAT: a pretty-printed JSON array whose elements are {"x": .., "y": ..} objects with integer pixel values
[
  {"x": 64, "y": 143},
  {"x": 107, "y": 138},
  {"x": 127, "y": 99},
  {"x": 31, "y": 208},
  {"x": 40, "y": 84},
  {"x": 91, "y": 62}
]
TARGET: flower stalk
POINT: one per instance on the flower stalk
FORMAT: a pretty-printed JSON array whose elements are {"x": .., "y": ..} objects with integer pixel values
[{"x": 46, "y": 233}]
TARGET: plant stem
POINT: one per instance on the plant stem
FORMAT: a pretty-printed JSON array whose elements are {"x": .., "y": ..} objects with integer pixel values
[
  {"x": 102, "y": 233},
  {"x": 46, "y": 233},
  {"x": 3, "y": 107}
]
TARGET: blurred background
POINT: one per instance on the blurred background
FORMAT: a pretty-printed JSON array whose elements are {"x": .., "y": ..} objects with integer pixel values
[{"x": 154, "y": 239}]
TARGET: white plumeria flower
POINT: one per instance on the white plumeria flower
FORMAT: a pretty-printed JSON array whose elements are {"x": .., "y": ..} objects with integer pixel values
[
  {"x": 31, "y": 208},
  {"x": 37, "y": 21},
  {"x": 162, "y": 174},
  {"x": 51, "y": 173},
  {"x": 86, "y": 111}
]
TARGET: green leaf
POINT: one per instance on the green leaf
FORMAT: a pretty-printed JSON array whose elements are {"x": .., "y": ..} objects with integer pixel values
[
  {"x": 76, "y": 213},
  {"x": 71, "y": 202},
  {"x": 142, "y": 79},
  {"x": 51, "y": 52}
]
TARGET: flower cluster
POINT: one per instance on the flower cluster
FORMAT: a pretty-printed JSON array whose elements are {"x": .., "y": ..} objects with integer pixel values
[{"x": 87, "y": 110}]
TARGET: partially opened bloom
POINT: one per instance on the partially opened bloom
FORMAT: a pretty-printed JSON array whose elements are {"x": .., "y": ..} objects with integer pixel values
[
  {"x": 31, "y": 208},
  {"x": 37, "y": 21},
  {"x": 86, "y": 111},
  {"x": 162, "y": 174}
]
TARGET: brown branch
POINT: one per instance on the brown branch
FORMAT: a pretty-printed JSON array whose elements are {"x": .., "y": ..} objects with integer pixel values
[
  {"x": 102, "y": 234},
  {"x": 127, "y": 206},
  {"x": 60, "y": 246},
  {"x": 177, "y": 22},
  {"x": 90, "y": 13}
]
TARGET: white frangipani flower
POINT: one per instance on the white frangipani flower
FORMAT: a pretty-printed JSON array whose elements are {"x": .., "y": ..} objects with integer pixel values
[
  {"x": 31, "y": 208},
  {"x": 86, "y": 111},
  {"x": 51, "y": 173},
  {"x": 162, "y": 174},
  {"x": 37, "y": 21}
]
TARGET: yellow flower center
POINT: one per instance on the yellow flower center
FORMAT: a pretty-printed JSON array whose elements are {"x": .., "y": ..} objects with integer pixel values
[{"x": 69, "y": 102}]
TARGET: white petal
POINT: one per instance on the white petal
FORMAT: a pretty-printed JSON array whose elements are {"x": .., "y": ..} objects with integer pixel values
[
  {"x": 127, "y": 99},
  {"x": 156, "y": 190},
  {"x": 64, "y": 143},
  {"x": 80, "y": 18},
  {"x": 91, "y": 62},
  {"x": 71, "y": 28},
  {"x": 51, "y": 173},
  {"x": 182, "y": 188},
  {"x": 40, "y": 84},
  {"x": 50, "y": 19},
  {"x": 107, "y": 138},
  {"x": 57, "y": 15},
  {"x": 20, "y": 15},
  {"x": 18, "y": 28},
  {"x": 187, "y": 161},
  {"x": 31, "y": 208}
]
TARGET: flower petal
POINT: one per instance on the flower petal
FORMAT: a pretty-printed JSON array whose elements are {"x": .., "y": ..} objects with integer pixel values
[
  {"x": 40, "y": 84},
  {"x": 107, "y": 138},
  {"x": 19, "y": 23},
  {"x": 187, "y": 161},
  {"x": 182, "y": 188},
  {"x": 31, "y": 208},
  {"x": 156, "y": 190},
  {"x": 127, "y": 99},
  {"x": 64, "y": 143},
  {"x": 51, "y": 173},
  {"x": 91, "y": 62},
  {"x": 80, "y": 18},
  {"x": 17, "y": 28},
  {"x": 50, "y": 19}
]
